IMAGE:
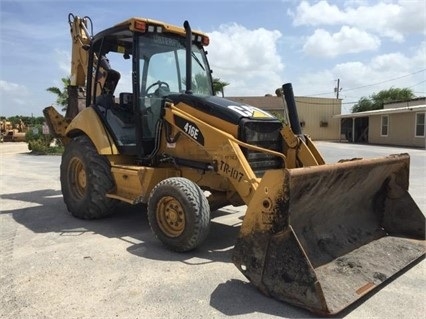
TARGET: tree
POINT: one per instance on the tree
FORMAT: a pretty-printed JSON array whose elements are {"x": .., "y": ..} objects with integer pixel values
[
  {"x": 27, "y": 120},
  {"x": 218, "y": 86},
  {"x": 279, "y": 92},
  {"x": 62, "y": 95},
  {"x": 199, "y": 84},
  {"x": 364, "y": 104},
  {"x": 377, "y": 100}
]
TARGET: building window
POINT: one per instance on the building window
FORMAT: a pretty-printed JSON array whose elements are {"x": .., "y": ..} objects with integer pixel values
[
  {"x": 385, "y": 125},
  {"x": 420, "y": 124}
]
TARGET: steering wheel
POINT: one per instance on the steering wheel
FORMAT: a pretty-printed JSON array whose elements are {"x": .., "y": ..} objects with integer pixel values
[{"x": 159, "y": 84}]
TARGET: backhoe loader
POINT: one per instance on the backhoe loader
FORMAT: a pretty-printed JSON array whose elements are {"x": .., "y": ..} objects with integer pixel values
[{"x": 315, "y": 235}]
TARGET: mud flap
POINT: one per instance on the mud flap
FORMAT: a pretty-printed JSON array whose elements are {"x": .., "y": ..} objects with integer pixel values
[{"x": 322, "y": 237}]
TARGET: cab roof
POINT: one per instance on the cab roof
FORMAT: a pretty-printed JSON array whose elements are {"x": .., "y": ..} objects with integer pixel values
[{"x": 137, "y": 24}]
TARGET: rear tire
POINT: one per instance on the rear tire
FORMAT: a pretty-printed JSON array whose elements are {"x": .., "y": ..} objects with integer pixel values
[
  {"x": 179, "y": 214},
  {"x": 85, "y": 180}
]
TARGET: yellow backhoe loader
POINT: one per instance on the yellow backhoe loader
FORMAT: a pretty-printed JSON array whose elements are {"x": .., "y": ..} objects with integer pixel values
[{"x": 315, "y": 235}]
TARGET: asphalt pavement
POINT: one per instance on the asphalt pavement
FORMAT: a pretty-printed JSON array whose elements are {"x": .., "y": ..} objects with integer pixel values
[{"x": 56, "y": 266}]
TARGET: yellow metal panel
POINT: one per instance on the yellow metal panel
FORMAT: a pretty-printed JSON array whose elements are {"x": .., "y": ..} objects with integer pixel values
[
  {"x": 260, "y": 212},
  {"x": 135, "y": 183},
  {"x": 225, "y": 154},
  {"x": 88, "y": 122}
]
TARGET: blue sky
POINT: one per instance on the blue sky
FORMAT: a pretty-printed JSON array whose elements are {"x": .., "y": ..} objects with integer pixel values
[{"x": 256, "y": 46}]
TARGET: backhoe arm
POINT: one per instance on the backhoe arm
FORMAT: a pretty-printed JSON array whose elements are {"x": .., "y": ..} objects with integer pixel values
[
  {"x": 77, "y": 90},
  {"x": 81, "y": 42},
  {"x": 80, "y": 45},
  {"x": 81, "y": 39},
  {"x": 79, "y": 65}
]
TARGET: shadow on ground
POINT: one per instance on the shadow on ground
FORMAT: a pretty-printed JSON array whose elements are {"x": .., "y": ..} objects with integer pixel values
[
  {"x": 48, "y": 213},
  {"x": 129, "y": 223}
]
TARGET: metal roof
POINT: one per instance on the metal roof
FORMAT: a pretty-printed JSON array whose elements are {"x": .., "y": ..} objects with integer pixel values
[{"x": 406, "y": 109}]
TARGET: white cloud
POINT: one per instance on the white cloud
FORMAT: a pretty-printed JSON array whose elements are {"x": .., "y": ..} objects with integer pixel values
[
  {"x": 347, "y": 40},
  {"x": 11, "y": 88},
  {"x": 387, "y": 62},
  {"x": 419, "y": 55},
  {"x": 391, "y": 20},
  {"x": 412, "y": 17},
  {"x": 321, "y": 13},
  {"x": 385, "y": 71},
  {"x": 247, "y": 59},
  {"x": 365, "y": 78},
  {"x": 63, "y": 59},
  {"x": 13, "y": 96}
]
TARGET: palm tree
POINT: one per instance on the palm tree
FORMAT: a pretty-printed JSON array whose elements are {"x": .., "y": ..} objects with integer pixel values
[
  {"x": 62, "y": 95},
  {"x": 199, "y": 84},
  {"x": 218, "y": 86}
]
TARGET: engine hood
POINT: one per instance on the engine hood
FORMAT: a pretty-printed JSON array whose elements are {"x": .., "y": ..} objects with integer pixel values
[{"x": 224, "y": 109}]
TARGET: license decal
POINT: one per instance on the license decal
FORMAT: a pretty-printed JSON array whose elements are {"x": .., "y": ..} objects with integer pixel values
[{"x": 190, "y": 128}]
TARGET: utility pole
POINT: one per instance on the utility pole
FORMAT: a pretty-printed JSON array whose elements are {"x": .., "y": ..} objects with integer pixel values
[{"x": 337, "y": 89}]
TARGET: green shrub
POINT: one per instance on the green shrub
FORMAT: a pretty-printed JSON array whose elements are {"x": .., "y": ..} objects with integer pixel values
[
  {"x": 39, "y": 143},
  {"x": 38, "y": 146}
]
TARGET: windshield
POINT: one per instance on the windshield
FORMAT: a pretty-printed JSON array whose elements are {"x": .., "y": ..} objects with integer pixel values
[{"x": 163, "y": 66}]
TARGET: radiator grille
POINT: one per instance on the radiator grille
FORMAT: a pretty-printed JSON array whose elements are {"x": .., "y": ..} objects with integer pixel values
[{"x": 264, "y": 134}]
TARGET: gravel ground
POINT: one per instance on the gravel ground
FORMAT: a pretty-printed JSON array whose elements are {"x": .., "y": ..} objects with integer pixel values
[{"x": 57, "y": 266}]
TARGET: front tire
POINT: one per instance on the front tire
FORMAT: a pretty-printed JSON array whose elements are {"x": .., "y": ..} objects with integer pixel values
[
  {"x": 179, "y": 214},
  {"x": 85, "y": 180}
]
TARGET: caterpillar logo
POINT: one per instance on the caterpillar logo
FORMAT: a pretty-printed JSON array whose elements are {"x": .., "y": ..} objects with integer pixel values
[{"x": 249, "y": 111}]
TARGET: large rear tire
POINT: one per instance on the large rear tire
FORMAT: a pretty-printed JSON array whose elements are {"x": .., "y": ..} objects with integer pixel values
[
  {"x": 85, "y": 180},
  {"x": 179, "y": 214}
]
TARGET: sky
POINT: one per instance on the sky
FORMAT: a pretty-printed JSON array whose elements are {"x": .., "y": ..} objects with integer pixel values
[{"x": 256, "y": 46}]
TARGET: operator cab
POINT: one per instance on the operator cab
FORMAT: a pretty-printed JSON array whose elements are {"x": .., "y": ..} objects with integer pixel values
[{"x": 135, "y": 74}]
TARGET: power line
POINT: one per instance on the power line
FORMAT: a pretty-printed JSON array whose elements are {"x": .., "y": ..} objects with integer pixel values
[
  {"x": 417, "y": 84},
  {"x": 373, "y": 84},
  {"x": 390, "y": 80}
]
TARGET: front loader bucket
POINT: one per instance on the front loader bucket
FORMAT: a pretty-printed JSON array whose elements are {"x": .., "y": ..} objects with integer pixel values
[{"x": 322, "y": 237}]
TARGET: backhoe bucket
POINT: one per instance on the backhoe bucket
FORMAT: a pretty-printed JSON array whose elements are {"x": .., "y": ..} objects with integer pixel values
[{"x": 322, "y": 237}]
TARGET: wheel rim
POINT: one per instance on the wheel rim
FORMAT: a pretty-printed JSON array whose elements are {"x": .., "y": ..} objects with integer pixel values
[
  {"x": 77, "y": 177},
  {"x": 170, "y": 216}
]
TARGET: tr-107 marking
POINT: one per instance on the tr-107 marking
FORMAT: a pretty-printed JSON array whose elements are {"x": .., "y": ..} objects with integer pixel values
[{"x": 232, "y": 172}]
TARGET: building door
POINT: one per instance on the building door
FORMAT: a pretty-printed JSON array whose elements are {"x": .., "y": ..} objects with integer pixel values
[{"x": 355, "y": 129}]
